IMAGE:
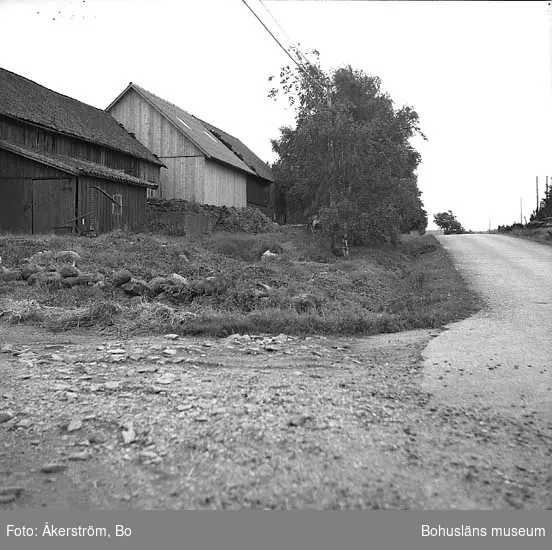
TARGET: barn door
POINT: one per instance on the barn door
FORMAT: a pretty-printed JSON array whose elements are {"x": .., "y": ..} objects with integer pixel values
[
  {"x": 16, "y": 204},
  {"x": 53, "y": 205}
]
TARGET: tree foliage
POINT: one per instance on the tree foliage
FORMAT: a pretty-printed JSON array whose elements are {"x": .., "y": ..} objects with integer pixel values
[
  {"x": 348, "y": 159},
  {"x": 448, "y": 223},
  {"x": 545, "y": 208}
]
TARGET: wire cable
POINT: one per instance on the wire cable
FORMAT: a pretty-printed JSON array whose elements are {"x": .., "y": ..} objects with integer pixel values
[
  {"x": 295, "y": 45},
  {"x": 301, "y": 68}
]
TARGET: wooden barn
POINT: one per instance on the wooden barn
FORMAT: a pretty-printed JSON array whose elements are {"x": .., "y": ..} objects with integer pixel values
[
  {"x": 204, "y": 163},
  {"x": 66, "y": 166}
]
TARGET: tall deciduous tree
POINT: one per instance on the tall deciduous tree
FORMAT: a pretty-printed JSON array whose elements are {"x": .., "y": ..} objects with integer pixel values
[{"x": 348, "y": 159}]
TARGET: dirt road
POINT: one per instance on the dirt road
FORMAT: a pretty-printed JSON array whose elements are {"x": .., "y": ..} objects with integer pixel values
[
  {"x": 91, "y": 421},
  {"x": 501, "y": 357}
]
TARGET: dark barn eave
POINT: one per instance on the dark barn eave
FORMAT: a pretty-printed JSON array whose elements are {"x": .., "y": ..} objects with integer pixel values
[{"x": 76, "y": 166}]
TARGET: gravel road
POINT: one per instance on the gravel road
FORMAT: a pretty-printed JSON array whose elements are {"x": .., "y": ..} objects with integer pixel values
[
  {"x": 501, "y": 357},
  {"x": 428, "y": 419}
]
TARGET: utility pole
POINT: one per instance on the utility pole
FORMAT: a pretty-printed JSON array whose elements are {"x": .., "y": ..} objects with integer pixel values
[
  {"x": 521, "y": 211},
  {"x": 537, "y": 210}
]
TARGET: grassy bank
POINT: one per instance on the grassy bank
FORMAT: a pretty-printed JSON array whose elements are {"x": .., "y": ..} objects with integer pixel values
[
  {"x": 305, "y": 290},
  {"x": 541, "y": 235}
]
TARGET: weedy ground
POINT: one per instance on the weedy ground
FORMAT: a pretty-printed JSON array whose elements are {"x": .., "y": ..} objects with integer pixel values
[
  {"x": 375, "y": 290},
  {"x": 541, "y": 235},
  {"x": 325, "y": 417}
]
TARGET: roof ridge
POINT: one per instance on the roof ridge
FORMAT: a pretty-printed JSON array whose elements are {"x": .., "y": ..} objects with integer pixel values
[{"x": 161, "y": 99}]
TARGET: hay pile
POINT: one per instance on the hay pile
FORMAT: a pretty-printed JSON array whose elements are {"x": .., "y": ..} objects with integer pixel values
[{"x": 228, "y": 219}]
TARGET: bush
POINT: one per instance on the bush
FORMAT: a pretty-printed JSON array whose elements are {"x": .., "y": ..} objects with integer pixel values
[{"x": 448, "y": 223}]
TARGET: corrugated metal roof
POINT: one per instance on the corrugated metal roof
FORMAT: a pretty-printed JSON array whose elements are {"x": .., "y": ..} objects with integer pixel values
[
  {"x": 194, "y": 129},
  {"x": 242, "y": 151},
  {"x": 28, "y": 101},
  {"x": 75, "y": 166}
]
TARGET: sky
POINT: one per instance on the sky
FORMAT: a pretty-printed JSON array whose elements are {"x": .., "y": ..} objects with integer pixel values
[{"x": 478, "y": 74}]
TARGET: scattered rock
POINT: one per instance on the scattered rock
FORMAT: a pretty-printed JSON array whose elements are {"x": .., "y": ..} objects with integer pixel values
[
  {"x": 79, "y": 456},
  {"x": 24, "y": 423},
  {"x": 74, "y": 425},
  {"x": 70, "y": 281},
  {"x": 147, "y": 368},
  {"x": 42, "y": 258},
  {"x": 171, "y": 336},
  {"x": 268, "y": 256},
  {"x": 45, "y": 278},
  {"x": 210, "y": 286},
  {"x": 148, "y": 454},
  {"x": 112, "y": 385},
  {"x": 67, "y": 256},
  {"x": 264, "y": 287},
  {"x": 69, "y": 271},
  {"x": 96, "y": 438},
  {"x": 136, "y": 287},
  {"x": 276, "y": 249},
  {"x": 157, "y": 285},
  {"x": 5, "y": 417},
  {"x": 53, "y": 468},
  {"x": 128, "y": 434},
  {"x": 166, "y": 379},
  {"x": 121, "y": 277},
  {"x": 299, "y": 420},
  {"x": 29, "y": 269},
  {"x": 272, "y": 347},
  {"x": 176, "y": 279}
]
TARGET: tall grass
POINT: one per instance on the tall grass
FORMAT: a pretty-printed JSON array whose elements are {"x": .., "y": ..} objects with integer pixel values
[{"x": 377, "y": 289}]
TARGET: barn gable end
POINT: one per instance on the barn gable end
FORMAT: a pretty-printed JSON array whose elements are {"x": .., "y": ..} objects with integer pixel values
[{"x": 204, "y": 163}]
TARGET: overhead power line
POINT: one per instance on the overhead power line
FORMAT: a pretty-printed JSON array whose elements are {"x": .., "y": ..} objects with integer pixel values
[
  {"x": 301, "y": 68},
  {"x": 296, "y": 46}
]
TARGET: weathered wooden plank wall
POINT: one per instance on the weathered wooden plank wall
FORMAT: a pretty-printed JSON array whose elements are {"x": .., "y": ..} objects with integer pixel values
[
  {"x": 183, "y": 178},
  {"x": 46, "y": 141},
  {"x": 104, "y": 212},
  {"x": 151, "y": 128},
  {"x": 53, "y": 205},
  {"x": 16, "y": 190},
  {"x": 224, "y": 186}
]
